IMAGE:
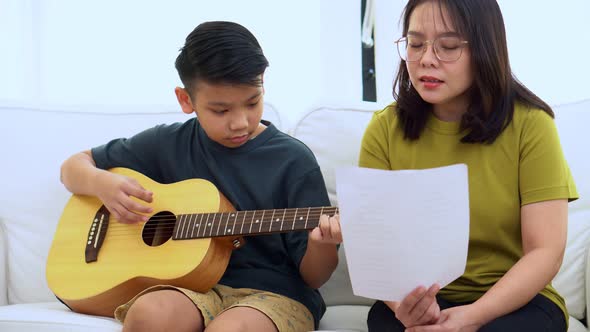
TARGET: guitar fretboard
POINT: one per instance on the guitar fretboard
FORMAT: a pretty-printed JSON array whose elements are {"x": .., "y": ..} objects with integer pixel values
[{"x": 203, "y": 225}]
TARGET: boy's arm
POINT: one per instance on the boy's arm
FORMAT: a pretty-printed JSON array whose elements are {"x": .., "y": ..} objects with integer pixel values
[
  {"x": 315, "y": 252},
  {"x": 321, "y": 255},
  {"x": 80, "y": 176}
]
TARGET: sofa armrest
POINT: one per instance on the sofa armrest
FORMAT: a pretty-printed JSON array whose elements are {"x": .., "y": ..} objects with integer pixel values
[
  {"x": 573, "y": 279},
  {"x": 3, "y": 266}
]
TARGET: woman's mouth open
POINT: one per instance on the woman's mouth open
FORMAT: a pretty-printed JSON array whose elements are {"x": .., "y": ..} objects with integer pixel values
[{"x": 430, "y": 82}]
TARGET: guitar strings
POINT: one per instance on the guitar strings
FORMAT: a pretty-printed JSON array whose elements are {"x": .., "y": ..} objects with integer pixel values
[
  {"x": 168, "y": 224},
  {"x": 171, "y": 221},
  {"x": 254, "y": 213}
]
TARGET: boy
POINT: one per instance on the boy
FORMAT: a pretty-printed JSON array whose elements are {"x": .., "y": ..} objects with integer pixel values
[{"x": 271, "y": 282}]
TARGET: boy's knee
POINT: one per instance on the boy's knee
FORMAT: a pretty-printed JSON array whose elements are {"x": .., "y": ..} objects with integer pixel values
[
  {"x": 234, "y": 325},
  {"x": 152, "y": 312},
  {"x": 145, "y": 314}
]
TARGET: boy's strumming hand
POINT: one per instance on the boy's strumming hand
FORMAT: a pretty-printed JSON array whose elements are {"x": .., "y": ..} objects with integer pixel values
[
  {"x": 328, "y": 230},
  {"x": 116, "y": 192}
]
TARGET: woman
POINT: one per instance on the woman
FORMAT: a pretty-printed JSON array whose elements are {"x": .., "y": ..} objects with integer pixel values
[{"x": 458, "y": 102}]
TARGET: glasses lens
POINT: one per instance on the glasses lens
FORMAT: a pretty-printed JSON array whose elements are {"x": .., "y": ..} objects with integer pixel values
[
  {"x": 410, "y": 48},
  {"x": 448, "y": 48}
]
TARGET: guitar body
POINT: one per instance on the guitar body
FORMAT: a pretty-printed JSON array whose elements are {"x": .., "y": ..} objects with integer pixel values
[{"x": 127, "y": 262}]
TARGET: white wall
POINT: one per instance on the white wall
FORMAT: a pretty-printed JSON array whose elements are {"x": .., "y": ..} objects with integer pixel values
[
  {"x": 71, "y": 54},
  {"x": 13, "y": 54},
  {"x": 549, "y": 46},
  {"x": 110, "y": 54},
  {"x": 548, "y": 43}
]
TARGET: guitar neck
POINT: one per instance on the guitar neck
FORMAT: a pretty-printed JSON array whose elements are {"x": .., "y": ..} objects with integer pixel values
[{"x": 235, "y": 223}]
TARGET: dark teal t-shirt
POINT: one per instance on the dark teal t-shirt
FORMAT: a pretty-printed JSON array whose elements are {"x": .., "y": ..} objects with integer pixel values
[{"x": 271, "y": 171}]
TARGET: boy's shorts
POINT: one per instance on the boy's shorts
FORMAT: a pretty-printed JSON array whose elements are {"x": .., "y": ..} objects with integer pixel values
[{"x": 288, "y": 315}]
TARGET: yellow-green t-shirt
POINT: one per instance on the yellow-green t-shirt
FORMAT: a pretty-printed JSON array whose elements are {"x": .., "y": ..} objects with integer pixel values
[{"x": 525, "y": 164}]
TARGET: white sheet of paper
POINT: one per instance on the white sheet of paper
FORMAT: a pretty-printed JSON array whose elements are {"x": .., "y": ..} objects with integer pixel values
[{"x": 403, "y": 229}]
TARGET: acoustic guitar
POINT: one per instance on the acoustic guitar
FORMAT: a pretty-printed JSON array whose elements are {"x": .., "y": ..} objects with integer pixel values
[{"x": 96, "y": 263}]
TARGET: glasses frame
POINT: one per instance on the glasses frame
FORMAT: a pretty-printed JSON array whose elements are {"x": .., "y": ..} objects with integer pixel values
[{"x": 426, "y": 42}]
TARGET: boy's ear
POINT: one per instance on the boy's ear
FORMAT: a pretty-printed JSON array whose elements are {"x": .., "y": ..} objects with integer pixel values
[{"x": 184, "y": 100}]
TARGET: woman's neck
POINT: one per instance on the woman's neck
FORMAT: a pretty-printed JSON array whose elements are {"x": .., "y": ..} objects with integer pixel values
[{"x": 450, "y": 112}]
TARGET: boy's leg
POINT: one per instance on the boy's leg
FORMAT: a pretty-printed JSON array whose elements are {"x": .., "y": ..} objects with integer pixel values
[
  {"x": 255, "y": 310},
  {"x": 242, "y": 319},
  {"x": 163, "y": 310},
  {"x": 164, "y": 307}
]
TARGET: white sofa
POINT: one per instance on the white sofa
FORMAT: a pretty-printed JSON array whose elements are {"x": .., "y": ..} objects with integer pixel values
[{"x": 34, "y": 143}]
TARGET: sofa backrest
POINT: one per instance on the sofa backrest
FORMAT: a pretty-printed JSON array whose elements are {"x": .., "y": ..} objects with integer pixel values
[
  {"x": 34, "y": 144},
  {"x": 3, "y": 268},
  {"x": 573, "y": 278},
  {"x": 334, "y": 135}
]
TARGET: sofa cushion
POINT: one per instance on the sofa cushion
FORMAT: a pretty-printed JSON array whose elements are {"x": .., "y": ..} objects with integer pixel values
[
  {"x": 338, "y": 289},
  {"x": 571, "y": 120},
  {"x": 51, "y": 317},
  {"x": 334, "y": 135},
  {"x": 571, "y": 279},
  {"x": 576, "y": 326},
  {"x": 36, "y": 142},
  {"x": 345, "y": 318}
]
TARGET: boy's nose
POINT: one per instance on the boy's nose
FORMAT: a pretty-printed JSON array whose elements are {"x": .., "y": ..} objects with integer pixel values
[{"x": 238, "y": 122}]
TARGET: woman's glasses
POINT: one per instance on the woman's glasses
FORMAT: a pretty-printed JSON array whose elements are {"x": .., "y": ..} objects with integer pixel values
[{"x": 446, "y": 48}]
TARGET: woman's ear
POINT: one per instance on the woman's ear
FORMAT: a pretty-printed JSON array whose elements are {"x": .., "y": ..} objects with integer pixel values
[{"x": 184, "y": 100}]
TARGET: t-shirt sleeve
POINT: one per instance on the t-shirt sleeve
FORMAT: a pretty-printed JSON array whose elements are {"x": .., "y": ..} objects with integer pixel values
[
  {"x": 307, "y": 191},
  {"x": 374, "y": 147},
  {"x": 138, "y": 152},
  {"x": 544, "y": 173}
]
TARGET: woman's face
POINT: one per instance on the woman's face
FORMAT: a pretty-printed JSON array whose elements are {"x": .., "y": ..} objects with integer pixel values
[{"x": 441, "y": 83}]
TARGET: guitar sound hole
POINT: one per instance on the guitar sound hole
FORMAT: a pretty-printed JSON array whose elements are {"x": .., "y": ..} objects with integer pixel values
[{"x": 158, "y": 230}]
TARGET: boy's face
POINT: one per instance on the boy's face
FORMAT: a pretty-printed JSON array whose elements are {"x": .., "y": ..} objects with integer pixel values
[{"x": 229, "y": 114}]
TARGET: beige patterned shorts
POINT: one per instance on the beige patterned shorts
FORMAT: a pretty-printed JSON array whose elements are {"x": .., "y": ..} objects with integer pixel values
[{"x": 287, "y": 314}]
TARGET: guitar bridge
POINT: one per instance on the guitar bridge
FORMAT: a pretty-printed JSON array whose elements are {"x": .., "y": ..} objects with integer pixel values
[{"x": 96, "y": 234}]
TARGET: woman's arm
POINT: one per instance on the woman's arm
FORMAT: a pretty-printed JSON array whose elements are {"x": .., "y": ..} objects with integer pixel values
[{"x": 544, "y": 234}]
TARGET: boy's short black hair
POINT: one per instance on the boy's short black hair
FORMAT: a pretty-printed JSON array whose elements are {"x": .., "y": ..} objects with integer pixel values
[{"x": 221, "y": 52}]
